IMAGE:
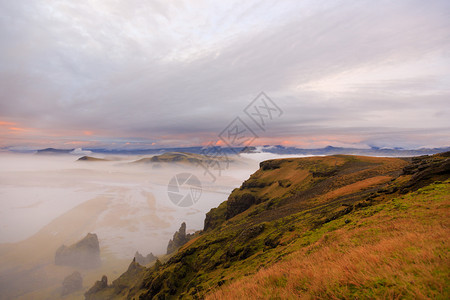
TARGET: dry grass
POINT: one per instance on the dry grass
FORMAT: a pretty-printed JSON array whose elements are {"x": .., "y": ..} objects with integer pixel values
[
  {"x": 398, "y": 250},
  {"x": 355, "y": 187}
]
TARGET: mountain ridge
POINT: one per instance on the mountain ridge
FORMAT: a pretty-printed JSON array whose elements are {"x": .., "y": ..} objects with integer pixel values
[{"x": 275, "y": 149}]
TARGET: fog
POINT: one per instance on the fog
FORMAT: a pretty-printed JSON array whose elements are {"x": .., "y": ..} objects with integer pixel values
[
  {"x": 37, "y": 189},
  {"x": 50, "y": 200}
]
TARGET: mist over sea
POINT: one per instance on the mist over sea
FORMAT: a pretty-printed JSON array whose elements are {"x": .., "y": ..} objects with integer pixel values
[{"x": 130, "y": 209}]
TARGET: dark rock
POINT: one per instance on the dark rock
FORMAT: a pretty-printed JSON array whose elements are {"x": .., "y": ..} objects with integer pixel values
[
  {"x": 250, "y": 233},
  {"x": 134, "y": 267},
  {"x": 83, "y": 254},
  {"x": 272, "y": 241},
  {"x": 426, "y": 169},
  {"x": 253, "y": 183},
  {"x": 338, "y": 214},
  {"x": 284, "y": 183},
  {"x": 179, "y": 239},
  {"x": 239, "y": 203},
  {"x": 325, "y": 174},
  {"x": 210, "y": 220},
  {"x": 270, "y": 164},
  {"x": 72, "y": 283},
  {"x": 445, "y": 154}
]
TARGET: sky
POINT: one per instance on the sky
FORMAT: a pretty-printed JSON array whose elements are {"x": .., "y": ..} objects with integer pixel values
[{"x": 146, "y": 74}]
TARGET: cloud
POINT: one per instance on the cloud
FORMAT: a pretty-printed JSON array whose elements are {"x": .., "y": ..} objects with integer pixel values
[{"x": 160, "y": 71}]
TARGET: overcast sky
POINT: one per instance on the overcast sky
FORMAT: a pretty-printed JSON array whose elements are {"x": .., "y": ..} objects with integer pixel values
[{"x": 142, "y": 74}]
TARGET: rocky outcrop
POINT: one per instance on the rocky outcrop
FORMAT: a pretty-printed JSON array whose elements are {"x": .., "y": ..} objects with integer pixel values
[
  {"x": 238, "y": 203},
  {"x": 98, "y": 286},
  {"x": 72, "y": 283},
  {"x": 144, "y": 260},
  {"x": 271, "y": 164},
  {"x": 179, "y": 239},
  {"x": 83, "y": 254},
  {"x": 426, "y": 169}
]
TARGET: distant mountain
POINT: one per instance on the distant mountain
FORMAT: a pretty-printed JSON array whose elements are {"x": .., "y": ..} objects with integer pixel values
[
  {"x": 276, "y": 149},
  {"x": 330, "y": 150},
  {"x": 184, "y": 159},
  {"x": 54, "y": 151}
]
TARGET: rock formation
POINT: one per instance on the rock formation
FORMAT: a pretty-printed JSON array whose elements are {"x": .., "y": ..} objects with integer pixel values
[
  {"x": 83, "y": 254},
  {"x": 239, "y": 203},
  {"x": 72, "y": 283},
  {"x": 179, "y": 239},
  {"x": 98, "y": 286},
  {"x": 143, "y": 260}
]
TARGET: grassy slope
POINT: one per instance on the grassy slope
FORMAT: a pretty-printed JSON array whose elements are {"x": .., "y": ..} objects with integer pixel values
[
  {"x": 396, "y": 249},
  {"x": 321, "y": 226}
]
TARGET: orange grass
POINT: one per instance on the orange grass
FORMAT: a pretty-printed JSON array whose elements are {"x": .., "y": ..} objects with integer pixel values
[
  {"x": 355, "y": 187},
  {"x": 399, "y": 252}
]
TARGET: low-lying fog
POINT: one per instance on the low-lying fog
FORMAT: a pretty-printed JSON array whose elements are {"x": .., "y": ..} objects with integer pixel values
[{"x": 50, "y": 200}]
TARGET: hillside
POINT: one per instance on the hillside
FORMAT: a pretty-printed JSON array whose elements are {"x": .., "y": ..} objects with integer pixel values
[
  {"x": 185, "y": 159},
  {"x": 90, "y": 158},
  {"x": 336, "y": 226},
  {"x": 53, "y": 151}
]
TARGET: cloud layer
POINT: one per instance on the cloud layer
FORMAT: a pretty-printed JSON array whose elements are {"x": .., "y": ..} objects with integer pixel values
[{"x": 103, "y": 73}]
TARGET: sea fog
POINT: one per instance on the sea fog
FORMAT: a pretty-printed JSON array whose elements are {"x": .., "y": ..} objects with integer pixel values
[
  {"x": 50, "y": 200},
  {"x": 136, "y": 212}
]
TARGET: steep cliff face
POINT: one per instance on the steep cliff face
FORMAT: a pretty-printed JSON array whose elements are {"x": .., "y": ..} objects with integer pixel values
[
  {"x": 299, "y": 183},
  {"x": 83, "y": 254},
  {"x": 296, "y": 207}
]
